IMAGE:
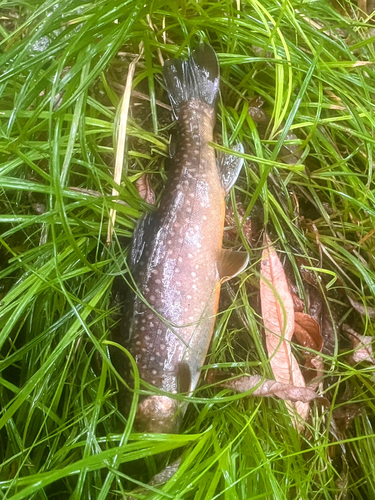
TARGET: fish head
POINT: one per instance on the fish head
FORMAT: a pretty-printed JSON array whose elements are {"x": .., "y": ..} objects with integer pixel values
[{"x": 158, "y": 414}]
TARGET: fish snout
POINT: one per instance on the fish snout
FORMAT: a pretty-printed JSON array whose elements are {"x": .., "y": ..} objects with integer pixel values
[{"x": 158, "y": 414}]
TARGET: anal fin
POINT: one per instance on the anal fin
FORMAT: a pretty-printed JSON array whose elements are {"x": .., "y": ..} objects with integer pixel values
[
  {"x": 229, "y": 167},
  {"x": 231, "y": 263}
]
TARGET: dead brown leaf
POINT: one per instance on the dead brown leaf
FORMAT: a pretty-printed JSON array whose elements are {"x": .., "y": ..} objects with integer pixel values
[
  {"x": 307, "y": 331},
  {"x": 298, "y": 303},
  {"x": 362, "y": 345},
  {"x": 256, "y": 112},
  {"x": 145, "y": 190},
  {"x": 268, "y": 388},
  {"x": 278, "y": 318},
  {"x": 363, "y": 310}
]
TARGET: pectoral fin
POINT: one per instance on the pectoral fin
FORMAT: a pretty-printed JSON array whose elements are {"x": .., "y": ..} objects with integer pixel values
[
  {"x": 183, "y": 378},
  {"x": 140, "y": 236},
  {"x": 231, "y": 263},
  {"x": 229, "y": 167}
]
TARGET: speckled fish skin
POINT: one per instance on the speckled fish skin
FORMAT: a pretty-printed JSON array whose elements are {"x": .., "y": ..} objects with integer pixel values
[{"x": 175, "y": 263}]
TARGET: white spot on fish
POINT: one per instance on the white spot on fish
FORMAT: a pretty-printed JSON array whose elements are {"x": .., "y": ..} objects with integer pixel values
[
  {"x": 193, "y": 237},
  {"x": 154, "y": 372},
  {"x": 194, "y": 274}
]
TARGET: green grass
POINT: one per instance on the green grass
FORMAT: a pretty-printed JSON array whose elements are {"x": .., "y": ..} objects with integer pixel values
[{"x": 63, "y": 67}]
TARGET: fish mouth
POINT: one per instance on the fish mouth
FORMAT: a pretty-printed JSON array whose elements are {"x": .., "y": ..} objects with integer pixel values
[{"x": 158, "y": 414}]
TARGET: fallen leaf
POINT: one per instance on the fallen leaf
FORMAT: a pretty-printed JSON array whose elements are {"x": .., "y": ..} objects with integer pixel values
[
  {"x": 144, "y": 189},
  {"x": 278, "y": 318},
  {"x": 306, "y": 273},
  {"x": 315, "y": 303},
  {"x": 256, "y": 112},
  {"x": 362, "y": 345},
  {"x": 363, "y": 310},
  {"x": 267, "y": 388},
  {"x": 298, "y": 303},
  {"x": 345, "y": 414},
  {"x": 307, "y": 331},
  {"x": 315, "y": 371}
]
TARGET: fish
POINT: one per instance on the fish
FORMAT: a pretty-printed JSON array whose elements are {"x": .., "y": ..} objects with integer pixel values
[{"x": 177, "y": 262}]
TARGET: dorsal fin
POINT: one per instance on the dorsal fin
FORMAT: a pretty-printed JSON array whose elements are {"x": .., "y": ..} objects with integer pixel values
[{"x": 231, "y": 263}]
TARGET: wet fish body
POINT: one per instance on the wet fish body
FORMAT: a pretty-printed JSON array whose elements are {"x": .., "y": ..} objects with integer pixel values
[{"x": 177, "y": 261}]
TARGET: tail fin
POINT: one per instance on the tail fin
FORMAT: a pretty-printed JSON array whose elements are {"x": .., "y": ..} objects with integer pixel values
[{"x": 196, "y": 78}]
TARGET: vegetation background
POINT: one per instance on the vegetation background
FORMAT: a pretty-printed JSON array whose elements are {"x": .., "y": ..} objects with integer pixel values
[{"x": 63, "y": 67}]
